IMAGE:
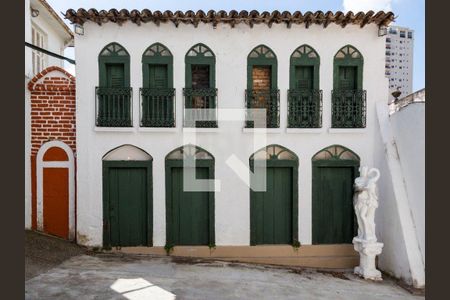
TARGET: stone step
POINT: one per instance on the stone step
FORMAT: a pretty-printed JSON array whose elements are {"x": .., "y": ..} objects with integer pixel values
[{"x": 340, "y": 256}]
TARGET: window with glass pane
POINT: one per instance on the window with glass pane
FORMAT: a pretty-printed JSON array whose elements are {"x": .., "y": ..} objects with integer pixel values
[
  {"x": 157, "y": 92},
  {"x": 200, "y": 93},
  {"x": 304, "y": 95},
  {"x": 39, "y": 59},
  {"x": 348, "y": 97},
  {"x": 262, "y": 88},
  {"x": 113, "y": 103}
]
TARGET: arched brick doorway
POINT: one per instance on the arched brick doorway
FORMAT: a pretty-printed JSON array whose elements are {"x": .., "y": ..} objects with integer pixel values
[{"x": 55, "y": 182}]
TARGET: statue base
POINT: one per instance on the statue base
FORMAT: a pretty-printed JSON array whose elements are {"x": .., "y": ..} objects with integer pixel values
[{"x": 367, "y": 250}]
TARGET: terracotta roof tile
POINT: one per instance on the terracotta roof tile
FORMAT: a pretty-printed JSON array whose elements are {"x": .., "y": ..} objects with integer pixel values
[{"x": 232, "y": 17}]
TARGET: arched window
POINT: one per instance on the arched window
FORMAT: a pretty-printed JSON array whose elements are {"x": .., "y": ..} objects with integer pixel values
[
  {"x": 127, "y": 153},
  {"x": 262, "y": 87},
  {"x": 200, "y": 67},
  {"x": 304, "y": 96},
  {"x": 157, "y": 67},
  {"x": 157, "y": 93},
  {"x": 274, "y": 152},
  {"x": 335, "y": 152},
  {"x": 348, "y": 96},
  {"x": 113, "y": 106},
  {"x": 348, "y": 68},
  {"x": 114, "y": 66},
  {"x": 189, "y": 151},
  {"x": 200, "y": 90}
]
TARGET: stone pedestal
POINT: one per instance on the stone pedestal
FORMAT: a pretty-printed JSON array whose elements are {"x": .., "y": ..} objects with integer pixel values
[{"x": 367, "y": 250}]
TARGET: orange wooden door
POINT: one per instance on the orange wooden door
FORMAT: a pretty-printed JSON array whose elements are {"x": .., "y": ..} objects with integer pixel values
[{"x": 56, "y": 201}]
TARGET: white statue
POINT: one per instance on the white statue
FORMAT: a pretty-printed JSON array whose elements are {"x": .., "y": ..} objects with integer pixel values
[{"x": 365, "y": 202}]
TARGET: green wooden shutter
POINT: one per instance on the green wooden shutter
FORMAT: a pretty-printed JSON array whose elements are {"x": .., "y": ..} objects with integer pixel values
[
  {"x": 304, "y": 77},
  {"x": 115, "y": 75},
  {"x": 158, "y": 76},
  {"x": 347, "y": 78}
]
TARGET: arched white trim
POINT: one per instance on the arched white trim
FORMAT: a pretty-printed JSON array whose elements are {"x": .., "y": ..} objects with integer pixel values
[{"x": 40, "y": 165}]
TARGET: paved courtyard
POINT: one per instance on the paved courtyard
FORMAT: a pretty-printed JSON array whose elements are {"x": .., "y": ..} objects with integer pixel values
[{"x": 103, "y": 276}]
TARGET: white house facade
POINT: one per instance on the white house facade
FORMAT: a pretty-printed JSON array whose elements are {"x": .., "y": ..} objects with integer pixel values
[
  {"x": 44, "y": 28},
  {"x": 318, "y": 75}
]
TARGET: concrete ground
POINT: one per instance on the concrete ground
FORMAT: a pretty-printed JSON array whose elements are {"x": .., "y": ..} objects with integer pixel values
[
  {"x": 56, "y": 269},
  {"x": 43, "y": 252},
  {"x": 104, "y": 276}
]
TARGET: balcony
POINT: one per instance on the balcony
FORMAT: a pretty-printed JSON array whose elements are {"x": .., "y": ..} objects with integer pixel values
[
  {"x": 202, "y": 105},
  {"x": 264, "y": 99},
  {"x": 348, "y": 109},
  {"x": 304, "y": 108},
  {"x": 157, "y": 107},
  {"x": 113, "y": 107}
]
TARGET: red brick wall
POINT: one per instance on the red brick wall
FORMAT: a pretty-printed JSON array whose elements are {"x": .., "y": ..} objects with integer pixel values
[
  {"x": 52, "y": 96},
  {"x": 52, "y": 108},
  {"x": 261, "y": 77}
]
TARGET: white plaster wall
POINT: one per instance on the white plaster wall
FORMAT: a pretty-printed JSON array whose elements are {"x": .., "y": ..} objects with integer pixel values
[
  {"x": 408, "y": 126},
  {"x": 231, "y": 47},
  {"x": 393, "y": 259},
  {"x": 396, "y": 227},
  {"x": 55, "y": 41}
]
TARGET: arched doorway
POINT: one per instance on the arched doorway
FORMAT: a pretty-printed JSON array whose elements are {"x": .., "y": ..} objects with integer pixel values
[
  {"x": 56, "y": 190},
  {"x": 334, "y": 171},
  {"x": 127, "y": 197},
  {"x": 274, "y": 212},
  {"x": 189, "y": 214}
]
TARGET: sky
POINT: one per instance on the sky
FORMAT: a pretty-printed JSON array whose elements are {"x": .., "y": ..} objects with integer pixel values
[{"x": 409, "y": 13}]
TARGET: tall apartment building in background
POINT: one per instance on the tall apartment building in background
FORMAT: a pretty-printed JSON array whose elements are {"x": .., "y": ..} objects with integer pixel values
[{"x": 399, "y": 60}]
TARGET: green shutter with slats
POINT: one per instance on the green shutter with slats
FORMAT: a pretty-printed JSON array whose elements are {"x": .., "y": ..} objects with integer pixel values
[
  {"x": 304, "y": 77},
  {"x": 158, "y": 78},
  {"x": 347, "y": 78},
  {"x": 115, "y": 75}
]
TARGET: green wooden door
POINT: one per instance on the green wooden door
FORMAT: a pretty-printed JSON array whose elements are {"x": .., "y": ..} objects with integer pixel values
[
  {"x": 347, "y": 78},
  {"x": 127, "y": 204},
  {"x": 115, "y": 75},
  {"x": 158, "y": 78},
  {"x": 272, "y": 210},
  {"x": 304, "y": 78},
  {"x": 332, "y": 207},
  {"x": 190, "y": 211}
]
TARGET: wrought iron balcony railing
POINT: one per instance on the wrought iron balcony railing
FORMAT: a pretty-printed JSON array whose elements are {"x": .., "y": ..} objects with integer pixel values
[
  {"x": 263, "y": 99},
  {"x": 348, "y": 109},
  {"x": 200, "y": 107},
  {"x": 304, "y": 108},
  {"x": 157, "y": 107},
  {"x": 113, "y": 107}
]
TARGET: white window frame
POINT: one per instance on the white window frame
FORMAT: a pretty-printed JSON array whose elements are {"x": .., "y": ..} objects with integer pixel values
[{"x": 39, "y": 59}]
